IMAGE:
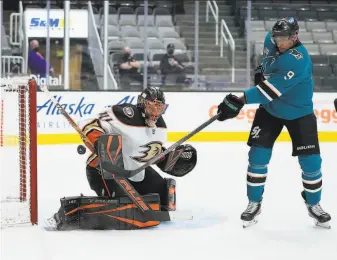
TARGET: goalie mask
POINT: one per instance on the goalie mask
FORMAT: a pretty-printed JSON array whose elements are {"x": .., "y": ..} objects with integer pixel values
[{"x": 152, "y": 103}]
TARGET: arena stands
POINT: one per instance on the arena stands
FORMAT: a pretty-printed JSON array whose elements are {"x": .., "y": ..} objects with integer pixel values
[
  {"x": 318, "y": 31},
  {"x": 173, "y": 22},
  {"x": 126, "y": 28}
]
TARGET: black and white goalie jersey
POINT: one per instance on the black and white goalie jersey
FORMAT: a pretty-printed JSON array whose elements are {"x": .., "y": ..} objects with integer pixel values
[{"x": 140, "y": 142}]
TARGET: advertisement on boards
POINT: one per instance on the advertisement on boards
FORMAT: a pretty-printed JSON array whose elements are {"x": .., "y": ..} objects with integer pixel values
[
  {"x": 185, "y": 111},
  {"x": 36, "y": 23}
]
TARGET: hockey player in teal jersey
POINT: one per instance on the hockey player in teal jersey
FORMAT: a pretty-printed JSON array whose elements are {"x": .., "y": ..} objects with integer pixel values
[{"x": 284, "y": 90}]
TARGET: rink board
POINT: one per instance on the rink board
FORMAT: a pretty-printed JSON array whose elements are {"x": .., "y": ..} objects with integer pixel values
[{"x": 185, "y": 112}]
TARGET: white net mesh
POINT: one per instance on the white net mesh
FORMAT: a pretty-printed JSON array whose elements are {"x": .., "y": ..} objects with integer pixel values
[{"x": 15, "y": 148}]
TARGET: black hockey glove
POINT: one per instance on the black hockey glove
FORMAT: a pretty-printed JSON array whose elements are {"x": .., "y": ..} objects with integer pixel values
[
  {"x": 180, "y": 161},
  {"x": 258, "y": 75},
  {"x": 230, "y": 107}
]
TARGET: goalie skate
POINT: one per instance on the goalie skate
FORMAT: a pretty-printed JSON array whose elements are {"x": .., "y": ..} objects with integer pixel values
[
  {"x": 53, "y": 223},
  {"x": 250, "y": 215}
]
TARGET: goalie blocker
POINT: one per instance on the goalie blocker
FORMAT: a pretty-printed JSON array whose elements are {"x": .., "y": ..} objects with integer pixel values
[{"x": 116, "y": 211}]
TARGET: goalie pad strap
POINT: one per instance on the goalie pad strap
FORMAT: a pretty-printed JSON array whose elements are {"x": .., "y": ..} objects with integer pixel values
[{"x": 103, "y": 213}]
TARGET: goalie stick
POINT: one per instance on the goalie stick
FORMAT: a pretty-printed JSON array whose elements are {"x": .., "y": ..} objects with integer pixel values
[
  {"x": 131, "y": 173},
  {"x": 121, "y": 181}
]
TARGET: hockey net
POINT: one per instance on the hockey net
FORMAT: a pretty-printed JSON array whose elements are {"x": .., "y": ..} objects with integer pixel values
[{"x": 18, "y": 151}]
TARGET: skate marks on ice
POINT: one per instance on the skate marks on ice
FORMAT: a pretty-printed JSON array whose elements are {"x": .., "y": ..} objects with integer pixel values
[{"x": 201, "y": 219}]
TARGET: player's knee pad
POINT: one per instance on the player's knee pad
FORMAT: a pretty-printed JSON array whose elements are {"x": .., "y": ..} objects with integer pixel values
[
  {"x": 259, "y": 159},
  {"x": 102, "y": 213},
  {"x": 170, "y": 202},
  {"x": 310, "y": 163},
  {"x": 311, "y": 172}
]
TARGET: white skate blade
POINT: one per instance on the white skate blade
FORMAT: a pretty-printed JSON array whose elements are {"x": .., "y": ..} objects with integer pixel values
[
  {"x": 323, "y": 225},
  {"x": 249, "y": 223},
  {"x": 174, "y": 216},
  {"x": 50, "y": 224}
]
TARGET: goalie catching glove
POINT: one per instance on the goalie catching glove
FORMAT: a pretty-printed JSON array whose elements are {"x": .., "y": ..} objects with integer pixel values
[{"x": 179, "y": 162}]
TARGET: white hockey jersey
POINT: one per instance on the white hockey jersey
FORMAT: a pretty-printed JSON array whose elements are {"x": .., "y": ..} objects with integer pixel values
[{"x": 140, "y": 143}]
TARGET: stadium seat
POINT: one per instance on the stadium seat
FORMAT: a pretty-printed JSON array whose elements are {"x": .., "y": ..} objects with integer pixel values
[
  {"x": 322, "y": 70},
  {"x": 129, "y": 31},
  {"x": 164, "y": 29},
  {"x": 313, "y": 49},
  {"x": 151, "y": 32},
  {"x": 156, "y": 44},
  {"x": 319, "y": 59},
  {"x": 116, "y": 45},
  {"x": 330, "y": 81},
  {"x": 332, "y": 59},
  {"x": 322, "y": 37},
  {"x": 156, "y": 56},
  {"x": 306, "y": 14},
  {"x": 326, "y": 15},
  {"x": 334, "y": 33},
  {"x": 267, "y": 13},
  {"x": 331, "y": 25},
  {"x": 113, "y": 32},
  {"x": 134, "y": 43},
  {"x": 286, "y": 12},
  {"x": 302, "y": 26},
  {"x": 168, "y": 34},
  {"x": 126, "y": 16},
  {"x": 315, "y": 26},
  {"x": 163, "y": 20},
  {"x": 141, "y": 18},
  {"x": 328, "y": 49},
  {"x": 112, "y": 10},
  {"x": 306, "y": 37}
]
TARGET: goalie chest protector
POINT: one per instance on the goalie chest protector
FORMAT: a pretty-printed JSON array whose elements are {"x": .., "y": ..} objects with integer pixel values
[{"x": 140, "y": 142}]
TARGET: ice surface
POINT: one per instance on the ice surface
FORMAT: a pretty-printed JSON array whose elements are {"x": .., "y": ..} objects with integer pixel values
[{"x": 216, "y": 194}]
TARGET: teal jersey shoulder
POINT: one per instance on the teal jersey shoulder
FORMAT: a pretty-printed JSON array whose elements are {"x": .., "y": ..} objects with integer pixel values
[{"x": 287, "y": 91}]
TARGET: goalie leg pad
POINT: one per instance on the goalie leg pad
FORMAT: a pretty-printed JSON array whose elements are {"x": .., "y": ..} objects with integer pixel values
[
  {"x": 170, "y": 203},
  {"x": 101, "y": 213}
]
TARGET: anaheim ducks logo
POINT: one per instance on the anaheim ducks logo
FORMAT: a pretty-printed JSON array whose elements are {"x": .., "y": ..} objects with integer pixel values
[{"x": 152, "y": 149}]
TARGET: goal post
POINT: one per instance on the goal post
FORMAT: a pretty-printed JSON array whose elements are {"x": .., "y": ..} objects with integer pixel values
[{"x": 18, "y": 151}]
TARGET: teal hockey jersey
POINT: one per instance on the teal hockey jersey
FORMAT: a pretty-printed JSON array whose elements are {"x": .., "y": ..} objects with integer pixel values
[{"x": 288, "y": 89}]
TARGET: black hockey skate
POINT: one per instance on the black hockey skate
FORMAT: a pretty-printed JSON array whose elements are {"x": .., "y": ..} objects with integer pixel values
[
  {"x": 321, "y": 218},
  {"x": 249, "y": 216}
]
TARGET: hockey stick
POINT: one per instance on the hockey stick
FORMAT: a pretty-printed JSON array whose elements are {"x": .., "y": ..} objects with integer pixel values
[
  {"x": 131, "y": 173},
  {"x": 121, "y": 181}
]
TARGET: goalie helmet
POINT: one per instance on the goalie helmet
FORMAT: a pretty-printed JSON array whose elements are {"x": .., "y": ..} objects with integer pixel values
[{"x": 152, "y": 104}]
